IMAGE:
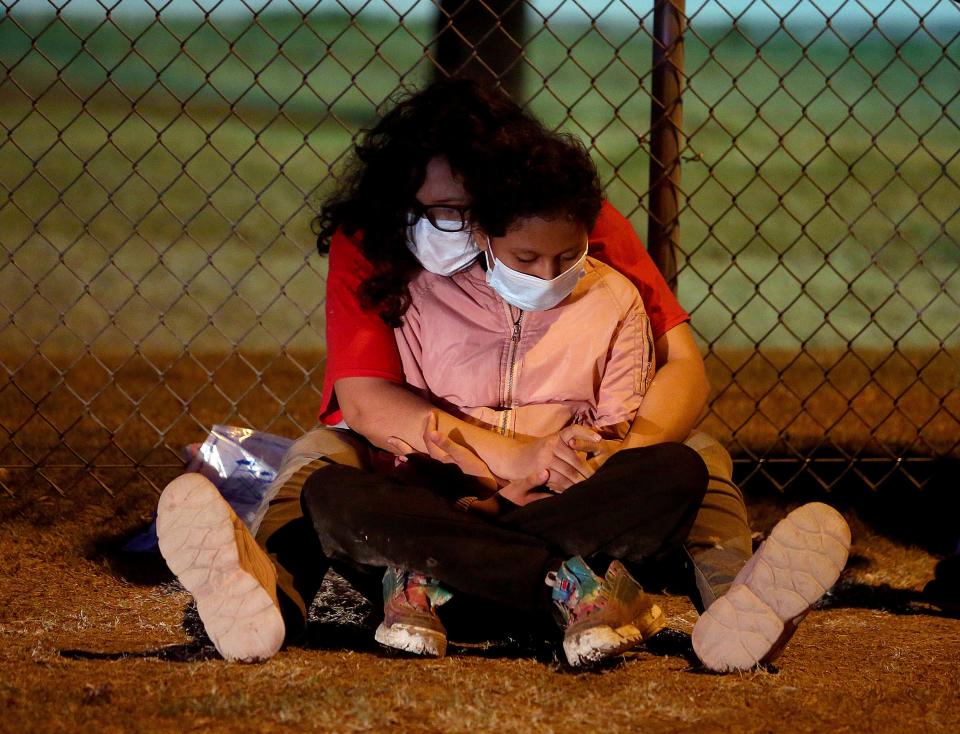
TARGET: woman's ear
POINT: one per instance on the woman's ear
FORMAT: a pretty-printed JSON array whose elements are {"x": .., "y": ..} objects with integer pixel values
[{"x": 480, "y": 237}]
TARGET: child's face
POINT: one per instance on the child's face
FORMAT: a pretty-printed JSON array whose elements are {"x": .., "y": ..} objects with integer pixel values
[{"x": 540, "y": 247}]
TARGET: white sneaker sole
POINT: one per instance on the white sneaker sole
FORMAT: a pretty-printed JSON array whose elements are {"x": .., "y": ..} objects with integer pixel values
[
  {"x": 197, "y": 535},
  {"x": 599, "y": 643},
  {"x": 416, "y": 640},
  {"x": 796, "y": 565}
]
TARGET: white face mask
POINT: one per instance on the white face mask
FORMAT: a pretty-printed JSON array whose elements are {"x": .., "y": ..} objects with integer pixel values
[
  {"x": 528, "y": 292},
  {"x": 443, "y": 253}
]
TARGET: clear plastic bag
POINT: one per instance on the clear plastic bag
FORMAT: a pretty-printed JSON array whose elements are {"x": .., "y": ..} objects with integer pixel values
[{"x": 241, "y": 463}]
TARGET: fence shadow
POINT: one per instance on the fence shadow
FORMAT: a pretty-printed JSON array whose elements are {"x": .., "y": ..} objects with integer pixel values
[{"x": 884, "y": 496}]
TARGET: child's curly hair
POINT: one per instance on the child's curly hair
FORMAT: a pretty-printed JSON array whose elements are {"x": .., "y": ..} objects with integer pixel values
[{"x": 548, "y": 175}]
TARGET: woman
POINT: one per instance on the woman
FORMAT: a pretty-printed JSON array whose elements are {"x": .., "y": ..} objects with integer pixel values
[
  {"x": 433, "y": 151},
  {"x": 533, "y": 338}
]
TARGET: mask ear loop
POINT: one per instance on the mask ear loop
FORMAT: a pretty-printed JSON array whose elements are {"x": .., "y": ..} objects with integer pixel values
[{"x": 488, "y": 253}]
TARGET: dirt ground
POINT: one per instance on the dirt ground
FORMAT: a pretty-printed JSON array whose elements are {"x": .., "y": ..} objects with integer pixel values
[
  {"x": 92, "y": 641},
  {"x": 96, "y": 641}
]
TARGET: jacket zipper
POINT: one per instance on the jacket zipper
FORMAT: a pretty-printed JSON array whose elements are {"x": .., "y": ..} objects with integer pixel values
[{"x": 511, "y": 374}]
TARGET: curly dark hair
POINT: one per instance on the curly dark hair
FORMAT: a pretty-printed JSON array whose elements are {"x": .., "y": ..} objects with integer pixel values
[
  {"x": 454, "y": 118},
  {"x": 510, "y": 164},
  {"x": 548, "y": 175}
]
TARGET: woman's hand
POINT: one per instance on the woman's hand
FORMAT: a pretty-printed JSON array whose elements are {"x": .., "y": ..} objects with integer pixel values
[
  {"x": 444, "y": 449},
  {"x": 561, "y": 454}
]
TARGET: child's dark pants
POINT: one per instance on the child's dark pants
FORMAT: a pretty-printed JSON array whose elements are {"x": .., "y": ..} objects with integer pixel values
[
  {"x": 630, "y": 509},
  {"x": 541, "y": 533}
]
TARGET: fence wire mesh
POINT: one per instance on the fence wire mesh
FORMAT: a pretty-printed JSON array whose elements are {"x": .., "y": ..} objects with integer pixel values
[{"x": 160, "y": 165}]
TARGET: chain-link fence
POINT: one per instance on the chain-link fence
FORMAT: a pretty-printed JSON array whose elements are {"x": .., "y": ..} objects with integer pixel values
[{"x": 159, "y": 168}]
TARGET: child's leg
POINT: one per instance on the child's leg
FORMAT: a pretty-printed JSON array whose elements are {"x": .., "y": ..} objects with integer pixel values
[
  {"x": 639, "y": 506},
  {"x": 375, "y": 521},
  {"x": 720, "y": 542}
]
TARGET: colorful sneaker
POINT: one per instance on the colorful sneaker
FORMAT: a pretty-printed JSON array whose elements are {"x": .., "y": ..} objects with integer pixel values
[
  {"x": 796, "y": 565},
  {"x": 217, "y": 560},
  {"x": 410, "y": 621},
  {"x": 601, "y": 617}
]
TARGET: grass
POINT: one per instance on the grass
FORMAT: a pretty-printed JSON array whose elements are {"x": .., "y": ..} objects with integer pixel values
[{"x": 171, "y": 169}]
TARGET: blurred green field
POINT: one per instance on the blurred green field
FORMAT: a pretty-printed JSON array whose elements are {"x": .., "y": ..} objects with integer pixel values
[{"x": 159, "y": 177}]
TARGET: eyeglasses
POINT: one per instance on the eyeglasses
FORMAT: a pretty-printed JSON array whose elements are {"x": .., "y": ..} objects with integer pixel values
[{"x": 445, "y": 217}]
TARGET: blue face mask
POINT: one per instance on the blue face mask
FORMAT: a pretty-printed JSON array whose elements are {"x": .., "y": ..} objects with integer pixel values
[
  {"x": 443, "y": 253},
  {"x": 528, "y": 292}
]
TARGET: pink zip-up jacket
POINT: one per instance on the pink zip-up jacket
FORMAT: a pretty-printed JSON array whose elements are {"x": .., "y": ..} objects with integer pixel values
[{"x": 588, "y": 360}]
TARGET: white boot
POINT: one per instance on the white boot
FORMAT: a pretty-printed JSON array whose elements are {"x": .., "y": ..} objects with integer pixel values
[
  {"x": 796, "y": 565},
  {"x": 218, "y": 561}
]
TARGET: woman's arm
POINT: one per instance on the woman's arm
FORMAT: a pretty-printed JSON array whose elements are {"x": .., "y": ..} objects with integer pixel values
[
  {"x": 652, "y": 390},
  {"x": 381, "y": 410},
  {"x": 677, "y": 395},
  {"x": 674, "y": 399}
]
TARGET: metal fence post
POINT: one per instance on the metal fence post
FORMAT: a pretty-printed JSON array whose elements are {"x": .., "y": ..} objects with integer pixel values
[
  {"x": 482, "y": 40},
  {"x": 666, "y": 129}
]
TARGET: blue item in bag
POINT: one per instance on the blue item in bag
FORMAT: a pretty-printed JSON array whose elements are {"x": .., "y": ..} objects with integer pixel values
[{"x": 241, "y": 463}]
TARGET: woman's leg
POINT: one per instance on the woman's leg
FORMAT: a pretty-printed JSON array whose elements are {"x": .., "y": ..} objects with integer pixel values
[
  {"x": 286, "y": 535},
  {"x": 720, "y": 542},
  {"x": 754, "y": 603},
  {"x": 251, "y": 597}
]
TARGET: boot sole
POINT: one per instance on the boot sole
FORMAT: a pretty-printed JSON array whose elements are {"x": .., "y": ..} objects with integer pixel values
[
  {"x": 409, "y": 638},
  {"x": 795, "y": 566},
  {"x": 197, "y": 530}
]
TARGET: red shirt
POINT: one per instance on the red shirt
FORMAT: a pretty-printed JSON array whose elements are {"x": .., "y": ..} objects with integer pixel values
[{"x": 359, "y": 344}]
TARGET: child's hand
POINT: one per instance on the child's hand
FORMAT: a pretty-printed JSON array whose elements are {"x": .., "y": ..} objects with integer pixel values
[
  {"x": 524, "y": 491},
  {"x": 444, "y": 449},
  {"x": 519, "y": 492},
  {"x": 603, "y": 451}
]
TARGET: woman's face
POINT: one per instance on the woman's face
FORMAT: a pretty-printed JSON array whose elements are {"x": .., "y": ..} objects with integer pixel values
[
  {"x": 540, "y": 247},
  {"x": 442, "y": 188}
]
